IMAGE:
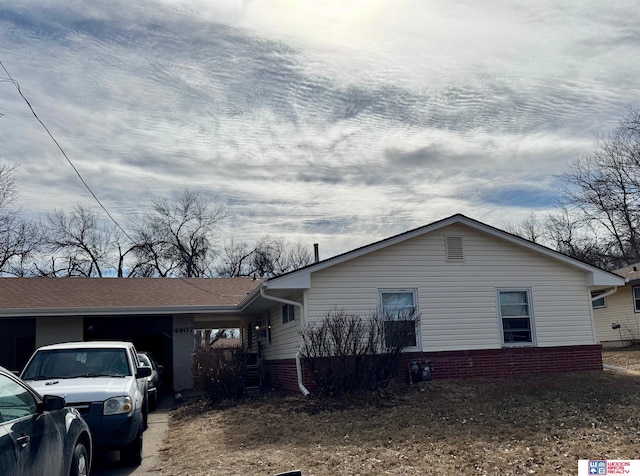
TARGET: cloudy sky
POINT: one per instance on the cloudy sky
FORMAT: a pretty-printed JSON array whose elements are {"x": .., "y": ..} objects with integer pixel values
[{"x": 332, "y": 121}]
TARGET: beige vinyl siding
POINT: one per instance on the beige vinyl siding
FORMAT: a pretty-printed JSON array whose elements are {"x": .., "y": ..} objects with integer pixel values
[
  {"x": 619, "y": 309},
  {"x": 285, "y": 338},
  {"x": 458, "y": 300}
]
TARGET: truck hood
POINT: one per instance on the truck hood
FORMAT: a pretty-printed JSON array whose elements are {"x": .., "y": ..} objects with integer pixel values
[{"x": 83, "y": 390}]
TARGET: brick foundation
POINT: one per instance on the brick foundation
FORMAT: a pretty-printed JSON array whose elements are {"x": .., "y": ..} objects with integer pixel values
[{"x": 500, "y": 363}]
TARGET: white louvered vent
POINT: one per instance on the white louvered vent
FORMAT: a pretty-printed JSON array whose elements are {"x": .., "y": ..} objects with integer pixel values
[{"x": 455, "y": 251}]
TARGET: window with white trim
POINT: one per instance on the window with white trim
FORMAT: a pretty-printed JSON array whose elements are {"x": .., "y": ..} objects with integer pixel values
[
  {"x": 399, "y": 314},
  {"x": 598, "y": 303},
  {"x": 516, "y": 317},
  {"x": 288, "y": 313},
  {"x": 636, "y": 298}
]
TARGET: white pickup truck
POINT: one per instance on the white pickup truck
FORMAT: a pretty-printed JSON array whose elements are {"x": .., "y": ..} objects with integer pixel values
[{"x": 105, "y": 382}]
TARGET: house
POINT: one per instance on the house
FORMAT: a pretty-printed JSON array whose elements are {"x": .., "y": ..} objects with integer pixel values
[
  {"x": 491, "y": 304},
  {"x": 617, "y": 313}
]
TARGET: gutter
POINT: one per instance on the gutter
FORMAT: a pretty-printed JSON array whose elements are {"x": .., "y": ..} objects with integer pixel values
[{"x": 301, "y": 386}]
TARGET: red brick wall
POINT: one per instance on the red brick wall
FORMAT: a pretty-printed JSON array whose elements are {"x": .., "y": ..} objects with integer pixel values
[
  {"x": 283, "y": 374},
  {"x": 507, "y": 362}
]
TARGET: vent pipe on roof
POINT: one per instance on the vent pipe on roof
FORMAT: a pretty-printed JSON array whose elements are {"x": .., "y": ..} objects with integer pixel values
[{"x": 316, "y": 252}]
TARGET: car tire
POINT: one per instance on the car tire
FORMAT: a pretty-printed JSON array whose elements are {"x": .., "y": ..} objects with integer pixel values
[
  {"x": 131, "y": 454},
  {"x": 80, "y": 461}
]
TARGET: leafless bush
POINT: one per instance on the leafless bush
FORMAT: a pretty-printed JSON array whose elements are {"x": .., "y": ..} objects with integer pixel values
[
  {"x": 347, "y": 352},
  {"x": 220, "y": 373}
]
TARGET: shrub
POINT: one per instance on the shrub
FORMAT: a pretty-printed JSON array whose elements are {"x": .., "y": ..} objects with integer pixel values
[
  {"x": 220, "y": 373},
  {"x": 347, "y": 353}
]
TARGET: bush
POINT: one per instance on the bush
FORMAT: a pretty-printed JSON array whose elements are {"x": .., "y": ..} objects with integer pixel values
[
  {"x": 220, "y": 373},
  {"x": 348, "y": 353}
]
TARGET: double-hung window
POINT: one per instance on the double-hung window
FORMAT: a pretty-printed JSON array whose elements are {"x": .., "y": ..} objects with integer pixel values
[
  {"x": 516, "y": 316},
  {"x": 399, "y": 313}
]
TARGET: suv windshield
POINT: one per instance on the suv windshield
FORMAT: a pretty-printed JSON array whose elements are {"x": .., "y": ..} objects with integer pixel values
[{"x": 72, "y": 363}]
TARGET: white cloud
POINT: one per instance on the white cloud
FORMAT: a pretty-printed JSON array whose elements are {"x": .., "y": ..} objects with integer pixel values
[{"x": 327, "y": 120}]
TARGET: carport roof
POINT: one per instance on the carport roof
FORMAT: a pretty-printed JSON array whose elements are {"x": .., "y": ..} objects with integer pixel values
[{"x": 40, "y": 296}]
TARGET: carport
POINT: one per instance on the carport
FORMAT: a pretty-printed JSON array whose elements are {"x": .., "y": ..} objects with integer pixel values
[{"x": 158, "y": 315}]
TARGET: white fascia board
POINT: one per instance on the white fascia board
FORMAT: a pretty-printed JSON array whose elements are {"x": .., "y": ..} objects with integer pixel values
[
  {"x": 603, "y": 278},
  {"x": 295, "y": 280},
  {"x": 119, "y": 311}
]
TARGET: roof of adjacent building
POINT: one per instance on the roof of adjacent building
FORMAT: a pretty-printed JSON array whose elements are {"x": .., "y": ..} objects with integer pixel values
[
  {"x": 630, "y": 273},
  {"x": 196, "y": 294}
]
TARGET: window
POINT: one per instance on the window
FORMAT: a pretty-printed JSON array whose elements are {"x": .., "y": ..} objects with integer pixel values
[
  {"x": 636, "y": 299},
  {"x": 288, "y": 313},
  {"x": 399, "y": 316},
  {"x": 598, "y": 303},
  {"x": 514, "y": 308},
  {"x": 15, "y": 400},
  {"x": 73, "y": 363}
]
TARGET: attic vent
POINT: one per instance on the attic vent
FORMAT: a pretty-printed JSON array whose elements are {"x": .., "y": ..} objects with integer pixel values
[{"x": 454, "y": 248}]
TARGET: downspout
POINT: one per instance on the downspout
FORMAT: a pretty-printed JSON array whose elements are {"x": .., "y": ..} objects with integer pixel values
[
  {"x": 301, "y": 386},
  {"x": 605, "y": 294}
]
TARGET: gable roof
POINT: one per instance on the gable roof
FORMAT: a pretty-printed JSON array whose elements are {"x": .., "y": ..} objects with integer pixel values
[
  {"x": 301, "y": 278},
  {"x": 84, "y": 296}
]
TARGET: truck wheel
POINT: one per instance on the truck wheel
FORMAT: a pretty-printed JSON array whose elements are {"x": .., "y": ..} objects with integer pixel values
[
  {"x": 80, "y": 461},
  {"x": 131, "y": 454}
]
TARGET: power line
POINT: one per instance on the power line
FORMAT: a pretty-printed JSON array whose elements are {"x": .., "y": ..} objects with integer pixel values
[{"x": 17, "y": 86}]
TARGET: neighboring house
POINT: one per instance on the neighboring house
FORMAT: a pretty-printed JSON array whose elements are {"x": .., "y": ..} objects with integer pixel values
[
  {"x": 617, "y": 314},
  {"x": 491, "y": 304}
]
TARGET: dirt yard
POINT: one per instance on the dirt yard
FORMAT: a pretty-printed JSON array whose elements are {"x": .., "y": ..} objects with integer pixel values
[{"x": 535, "y": 425}]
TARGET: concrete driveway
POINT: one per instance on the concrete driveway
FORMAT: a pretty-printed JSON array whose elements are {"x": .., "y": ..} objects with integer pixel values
[{"x": 108, "y": 464}]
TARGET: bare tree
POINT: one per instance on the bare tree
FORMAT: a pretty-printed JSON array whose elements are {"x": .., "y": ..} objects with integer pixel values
[
  {"x": 79, "y": 246},
  {"x": 18, "y": 239},
  {"x": 603, "y": 188},
  {"x": 530, "y": 228},
  {"x": 177, "y": 239},
  {"x": 268, "y": 258},
  {"x": 235, "y": 260}
]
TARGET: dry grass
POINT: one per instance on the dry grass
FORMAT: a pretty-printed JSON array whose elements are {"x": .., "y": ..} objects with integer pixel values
[
  {"x": 628, "y": 358},
  {"x": 535, "y": 425}
]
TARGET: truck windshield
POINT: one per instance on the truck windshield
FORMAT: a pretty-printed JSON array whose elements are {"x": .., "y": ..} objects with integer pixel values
[{"x": 73, "y": 363}]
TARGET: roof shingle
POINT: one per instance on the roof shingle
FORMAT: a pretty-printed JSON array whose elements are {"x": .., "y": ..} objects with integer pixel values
[{"x": 113, "y": 293}]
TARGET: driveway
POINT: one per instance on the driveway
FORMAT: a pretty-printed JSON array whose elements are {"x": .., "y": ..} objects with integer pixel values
[{"x": 108, "y": 464}]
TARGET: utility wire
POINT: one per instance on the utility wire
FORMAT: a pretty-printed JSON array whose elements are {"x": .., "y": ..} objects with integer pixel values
[{"x": 17, "y": 86}]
